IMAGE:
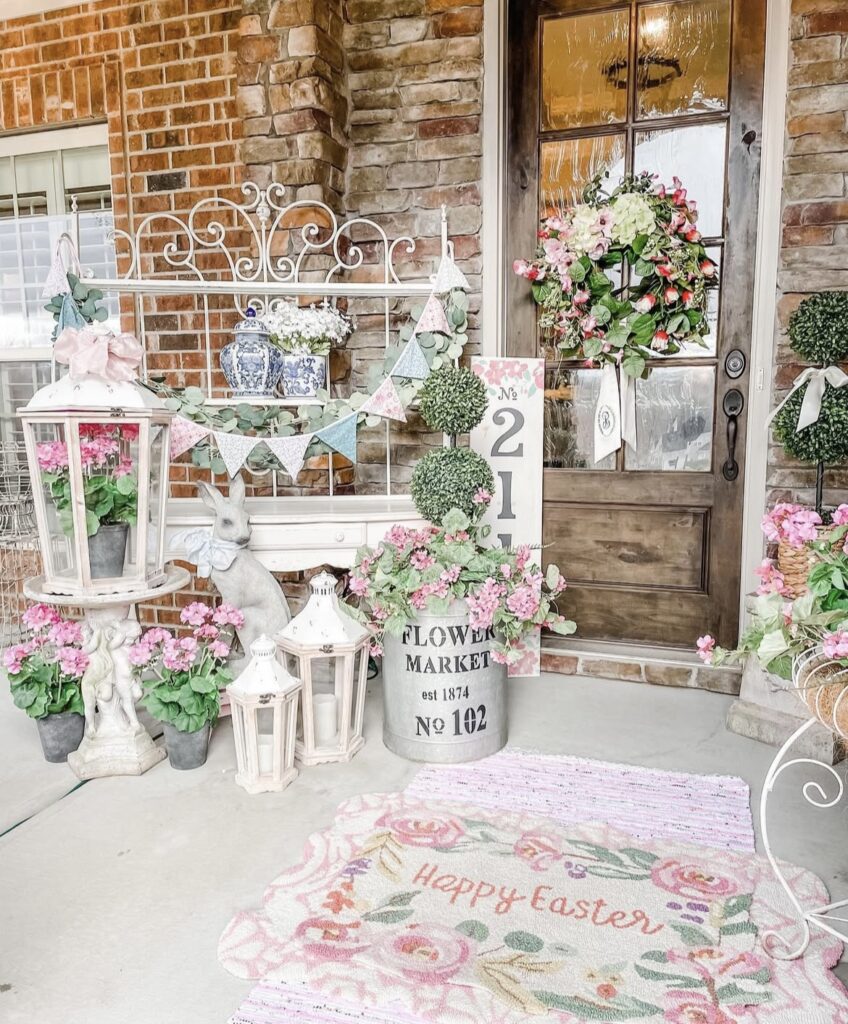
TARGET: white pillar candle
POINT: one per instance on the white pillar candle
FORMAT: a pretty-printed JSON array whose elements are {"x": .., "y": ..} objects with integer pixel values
[
  {"x": 266, "y": 754},
  {"x": 324, "y": 711}
]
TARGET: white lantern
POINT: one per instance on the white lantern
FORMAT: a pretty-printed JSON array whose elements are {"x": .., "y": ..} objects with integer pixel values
[
  {"x": 264, "y": 708},
  {"x": 98, "y": 454},
  {"x": 328, "y": 649}
]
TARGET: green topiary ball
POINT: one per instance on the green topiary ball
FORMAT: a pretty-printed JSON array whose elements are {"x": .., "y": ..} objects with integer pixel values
[
  {"x": 818, "y": 329},
  {"x": 449, "y": 478},
  {"x": 453, "y": 400},
  {"x": 826, "y": 440}
]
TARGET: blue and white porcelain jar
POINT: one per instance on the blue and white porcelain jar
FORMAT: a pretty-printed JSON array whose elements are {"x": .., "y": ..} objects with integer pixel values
[
  {"x": 304, "y": 374},
  {"x": 251, "y": 363}
]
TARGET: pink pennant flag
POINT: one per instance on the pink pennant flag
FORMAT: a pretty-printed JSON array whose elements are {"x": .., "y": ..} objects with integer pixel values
[
  {"x": 185, "y": 434},
  {"x": 432, "y": 319},
  {"x": 385, "y": 402}
]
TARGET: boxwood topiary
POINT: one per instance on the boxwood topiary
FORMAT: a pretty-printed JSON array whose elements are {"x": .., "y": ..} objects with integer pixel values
[
  {"x": 449, "y": 478},
  {"x": 453, "y": 400},
  {"x": 826, "y": 440},
  {"x": 818, "y": 329}
]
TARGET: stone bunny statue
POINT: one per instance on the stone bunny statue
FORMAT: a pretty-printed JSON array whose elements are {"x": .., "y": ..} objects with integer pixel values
[{"x": 241, "y": 579}]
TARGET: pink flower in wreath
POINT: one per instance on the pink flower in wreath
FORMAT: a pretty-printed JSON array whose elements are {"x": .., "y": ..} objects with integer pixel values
[
  {"x": 433, "y": 831},
  {"x": 691, "y": 880},
  {"x": 693, "y": 1008},
  {"x": 429, "y": 954},
  {"x": 330, "y": 940},
  {"x": 538, "y": 849}
]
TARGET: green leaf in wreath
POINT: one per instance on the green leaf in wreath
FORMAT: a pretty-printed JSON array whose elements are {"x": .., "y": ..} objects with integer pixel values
[
  {"x": 525, "y": 941},
  {"x": 474, "y": 930},
  {"x": 633, "y": 364}
]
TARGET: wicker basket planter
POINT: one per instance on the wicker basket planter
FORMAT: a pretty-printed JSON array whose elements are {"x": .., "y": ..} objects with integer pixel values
[
  {"x": 822, "y": 684},
  {"x": 795, "y": 563}
]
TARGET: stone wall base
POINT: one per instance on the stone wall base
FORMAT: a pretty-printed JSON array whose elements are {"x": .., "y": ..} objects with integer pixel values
[{"x": 768, "y": 725}]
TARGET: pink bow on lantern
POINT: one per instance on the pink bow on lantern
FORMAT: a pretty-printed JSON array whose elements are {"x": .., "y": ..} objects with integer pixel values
[{"x": 108, "y": 356}]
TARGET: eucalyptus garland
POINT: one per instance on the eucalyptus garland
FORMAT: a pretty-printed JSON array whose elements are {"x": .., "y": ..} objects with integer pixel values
[{"x": 276, "y": 421}]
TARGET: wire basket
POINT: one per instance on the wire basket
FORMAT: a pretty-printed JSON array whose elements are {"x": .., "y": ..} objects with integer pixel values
[{"x": 822, "y": 684}]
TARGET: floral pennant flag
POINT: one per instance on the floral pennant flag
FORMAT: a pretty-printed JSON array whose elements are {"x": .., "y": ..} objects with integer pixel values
[
  {"x": 385, "y": 402},
  {"x": 290, "y": 451},
  {"x": 185, "y": 434},
  {"x": 412, "y": 363},
  {"x": 57, "y": 282},
  {"x": 341, "y": 436},
  {"x": 234, "y": 449},
  {"x": 432, "y": 319},
  {"x": 69, "y": 316},
  {"x": 449, "y": 276}
]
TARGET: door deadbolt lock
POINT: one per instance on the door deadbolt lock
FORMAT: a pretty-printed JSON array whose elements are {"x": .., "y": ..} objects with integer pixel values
[{"x": 734, "y": 364}]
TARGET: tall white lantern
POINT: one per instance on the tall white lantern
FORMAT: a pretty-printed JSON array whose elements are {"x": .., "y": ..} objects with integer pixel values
[
  {"x": 98, "y": 455},
  {"x": 328, "y": 650},
  {"x": 264, "y": 708}
]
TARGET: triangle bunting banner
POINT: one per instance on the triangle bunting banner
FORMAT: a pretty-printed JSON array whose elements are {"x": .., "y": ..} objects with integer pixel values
[
  {"x": 449, "y": 276},
  {"x": 432, "y": 319},
  {"x": 185, "y": 434},
  {"x": 412, "y": 363},
  {"x": 341, "y": 436},
  {"x": 289, "y": 451},
  {"x": 234, "y": 449},
  {"x": 385, "y": 402}
]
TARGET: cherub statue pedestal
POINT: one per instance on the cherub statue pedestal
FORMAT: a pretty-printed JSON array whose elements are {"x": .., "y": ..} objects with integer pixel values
[{"x": 115, "y": 742}]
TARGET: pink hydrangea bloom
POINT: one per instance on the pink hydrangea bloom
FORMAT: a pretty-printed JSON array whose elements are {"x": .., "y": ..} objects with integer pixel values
[
  {"x": 835, "y": 645},
  {"x": 706, "y": 647},
  {"x": 39, "y": 615},
  {"x": 72, "y": 661},
  {"x": 196, "y": 613},
  {"x": 523, "y": 602},
  {"x": 484, "y": 602},
  {"x": 228, "y": 615},
  {"x": 801, "y": 527}
]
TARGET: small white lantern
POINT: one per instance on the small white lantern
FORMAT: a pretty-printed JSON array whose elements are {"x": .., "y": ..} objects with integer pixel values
[
  {"x": 328, "y": 649},
  {"x": 264, "y": 707},
  {"x": 98, "y": 454}
]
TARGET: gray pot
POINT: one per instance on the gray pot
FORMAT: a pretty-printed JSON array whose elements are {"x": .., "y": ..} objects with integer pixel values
[
  {"x": 60, "y": 734},
  {"x": 444, "y": 699},
  {"x": 107, "y": 551},
  {"x": 186, "y": 749}
]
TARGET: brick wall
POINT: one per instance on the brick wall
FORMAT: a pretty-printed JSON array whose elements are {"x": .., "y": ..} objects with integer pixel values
[{"x": 814, "y": 248}]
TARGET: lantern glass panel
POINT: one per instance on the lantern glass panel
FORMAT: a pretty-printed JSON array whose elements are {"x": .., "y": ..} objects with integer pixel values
[
  {"x": 265, "y": 739},
  {"x": 156, "y": 506},
  {"x": 51, "y": 448}
]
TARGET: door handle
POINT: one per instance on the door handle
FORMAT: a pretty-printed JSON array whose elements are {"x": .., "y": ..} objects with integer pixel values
[{"x": 732, "y": 405}]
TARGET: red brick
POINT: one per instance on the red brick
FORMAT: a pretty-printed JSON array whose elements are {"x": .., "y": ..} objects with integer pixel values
[
  {"x": 827, "y": 23},
  {"x": 448, "y": 126},
  {"x": 807, "y": 234}
]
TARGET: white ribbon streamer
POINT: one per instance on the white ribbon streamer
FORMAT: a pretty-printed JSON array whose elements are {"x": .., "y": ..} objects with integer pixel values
[
  {"x": 815, "y": 378},
  {"x": 615, "y": 413}
]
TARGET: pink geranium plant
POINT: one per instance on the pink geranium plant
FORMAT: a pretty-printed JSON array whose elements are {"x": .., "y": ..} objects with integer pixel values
[
  {"x": 45, "y": 670},
  {"x": 429, "y": 568},
  {"x": 110, "y": 484},
  {"x": 184, "y": 674}
]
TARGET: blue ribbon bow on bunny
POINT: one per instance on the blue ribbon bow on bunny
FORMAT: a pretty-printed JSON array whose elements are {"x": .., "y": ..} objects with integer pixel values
[{"x": 205, "y": 550}]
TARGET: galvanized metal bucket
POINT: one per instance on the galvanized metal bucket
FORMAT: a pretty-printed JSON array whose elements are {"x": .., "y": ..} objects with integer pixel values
[{"x": 444, "y": 699}]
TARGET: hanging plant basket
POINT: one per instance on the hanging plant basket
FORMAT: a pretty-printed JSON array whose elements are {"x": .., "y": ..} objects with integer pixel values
[{"x": 822, "y": 684}]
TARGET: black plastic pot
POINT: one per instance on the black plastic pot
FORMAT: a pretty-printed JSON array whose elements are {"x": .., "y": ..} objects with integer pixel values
[
  {"x": 186, "y": 749},
  {"x": 60, "y": 734}
]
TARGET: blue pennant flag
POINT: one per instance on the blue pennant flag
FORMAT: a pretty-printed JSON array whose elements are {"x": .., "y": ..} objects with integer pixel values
[
  {"x": 412, "y": 363},
  {"x": 341, "y": 436},
  {"x": 69, "y": 316}
]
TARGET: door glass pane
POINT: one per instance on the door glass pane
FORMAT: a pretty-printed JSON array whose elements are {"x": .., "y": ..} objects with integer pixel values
[
  {"x": 674, "y": 420},
  {"x": 684, "y": 58},
  {"x": 571, "y": 395},
  {"x": 584, "y": 70},
  {"x": 567, "y": 166},
  {"x": 696, "y": 155}
]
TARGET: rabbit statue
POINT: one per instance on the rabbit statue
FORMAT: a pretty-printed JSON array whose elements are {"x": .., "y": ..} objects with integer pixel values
[{"x": 241, "y": 579}]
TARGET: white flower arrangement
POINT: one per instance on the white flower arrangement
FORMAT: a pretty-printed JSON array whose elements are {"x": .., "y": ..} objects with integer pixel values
[{"x": 306, "y": 330}]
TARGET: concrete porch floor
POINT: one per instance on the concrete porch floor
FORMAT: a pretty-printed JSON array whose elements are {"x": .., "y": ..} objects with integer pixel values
[{"x": 113, "y": 895}]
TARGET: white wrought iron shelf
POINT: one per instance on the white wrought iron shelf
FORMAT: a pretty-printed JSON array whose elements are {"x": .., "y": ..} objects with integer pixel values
[
  {"x": 284, "y": 403},
  {"x": 269, "y": 289}
]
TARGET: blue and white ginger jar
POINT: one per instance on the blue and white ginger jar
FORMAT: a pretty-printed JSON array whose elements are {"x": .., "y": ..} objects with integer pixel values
[{"x": 251, "y": 363}]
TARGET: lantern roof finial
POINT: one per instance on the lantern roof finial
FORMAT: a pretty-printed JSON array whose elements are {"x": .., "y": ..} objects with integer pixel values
[
  {"x": 263, "y": 674},
  {"x": 323, "y": 621}
]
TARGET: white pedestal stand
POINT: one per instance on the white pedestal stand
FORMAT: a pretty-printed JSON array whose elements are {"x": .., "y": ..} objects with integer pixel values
[
  {"x": 115, "y": 742},
  {"x": 832, "y": 915}
]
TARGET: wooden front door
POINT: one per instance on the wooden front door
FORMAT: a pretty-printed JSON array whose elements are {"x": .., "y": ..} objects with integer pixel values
[{"x": 650, "y": 537}]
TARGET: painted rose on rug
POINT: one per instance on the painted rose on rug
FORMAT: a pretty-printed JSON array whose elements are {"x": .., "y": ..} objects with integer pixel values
[{"x": 447, "y": 910}]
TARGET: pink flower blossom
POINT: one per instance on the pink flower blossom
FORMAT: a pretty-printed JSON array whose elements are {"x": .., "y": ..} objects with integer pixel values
[
  {"x": 39, "y": 615},
  {"x": 421, "y": 560},
  {"x": 65, "y": 633},
  {"x": 840, "y": 516},
  {"x": 482, "y": 496},
  {"x": 451, "y": 574},
  {"x": 376, "y": 649},
  {"x": 13, "y": 657},
  {"x": 773, "y": 581},
  {"x": 52, "y": 456},
  {"x": 140, "y": 654},
  {"x": 522, "y": 556},
  {"x": 835, "y": 645},
  {"x": 72, "y": 661},
  {"x": 706, "y": 647},
  {"x": 692, "y": 1008},
  {"x": 523, "y": 602},
  {"x": 794, "y": 524},
  {"x": 499, "y": 658},
  {"x": 124, "y": 468},
  {"x": 207, "y": 632},
  {"x": 228, "y": 615},
  {"x": 506, "y": 570},
  {"x": 196, "y": 614},
  {"x": 176, "y": 657},
  {"x": 358, "y": 586},
  {"x": 218, "y": 649},
  {"x": 659, "y": 342},
  {"x": 484, "y": 602},
  {"x": 156, "y": 635},
  {"x": 645, "y": 304}
]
